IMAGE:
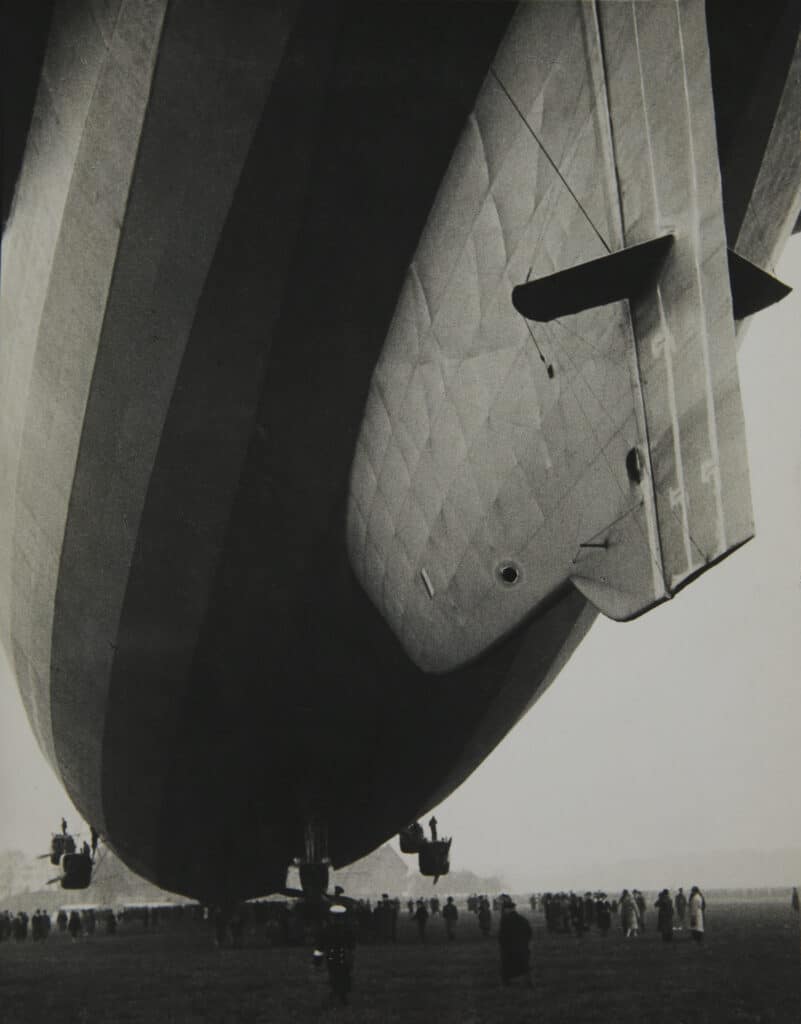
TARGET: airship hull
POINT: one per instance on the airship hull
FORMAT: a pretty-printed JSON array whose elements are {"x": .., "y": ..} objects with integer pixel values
[{"x": 210, "y": 233}]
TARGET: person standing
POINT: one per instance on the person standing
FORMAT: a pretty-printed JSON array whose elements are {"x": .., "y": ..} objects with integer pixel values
[
  {"x": 385, "y": 919},
  {"x": 377, "y": 921},
  {"x": 794, "y": 899},
  {"x": 337, "y": 943},
  {"x": 74, "y": 926},
  {"x": 514, "y": 936},
  {"x": 589, "y": 911},
  {"x": 681, "y": 907},
  {"x": 664, "y": 917},
  {"x": 450, "y": 915},
  {"x": 639, "y": 899},
  {"x": 629, "y": 915},
  {"x": 603, "y": 914},
  {"x": 421, "y": 918},
  {"x": 697, "y": 908},
  {"x": 485, "y": 917},
  {"x": 392, "y": 919}
]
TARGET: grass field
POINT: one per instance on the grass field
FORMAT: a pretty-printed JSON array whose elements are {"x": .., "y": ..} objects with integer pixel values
[{"x": 748, "y": 971}]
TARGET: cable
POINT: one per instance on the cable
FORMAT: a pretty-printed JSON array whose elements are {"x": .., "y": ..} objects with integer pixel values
[{"x": 549, "y": 158}]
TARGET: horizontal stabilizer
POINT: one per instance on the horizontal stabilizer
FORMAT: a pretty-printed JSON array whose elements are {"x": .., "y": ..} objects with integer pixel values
[
  {"x": 752, "y": 288},
  {"x": 619, "y": 275}
]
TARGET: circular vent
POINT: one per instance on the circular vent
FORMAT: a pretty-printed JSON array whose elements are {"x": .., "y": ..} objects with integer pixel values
[{"x": 508, "y": 573}]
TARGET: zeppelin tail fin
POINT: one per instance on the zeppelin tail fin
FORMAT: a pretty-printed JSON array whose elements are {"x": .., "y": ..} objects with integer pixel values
[{"x": 752, "y": 288}]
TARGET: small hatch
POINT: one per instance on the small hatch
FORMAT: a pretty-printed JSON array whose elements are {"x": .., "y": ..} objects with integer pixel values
[{"x": 634, "y": 466}]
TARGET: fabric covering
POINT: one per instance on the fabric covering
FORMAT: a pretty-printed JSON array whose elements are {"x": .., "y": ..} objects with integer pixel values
[{"x": 491, "y": 464}]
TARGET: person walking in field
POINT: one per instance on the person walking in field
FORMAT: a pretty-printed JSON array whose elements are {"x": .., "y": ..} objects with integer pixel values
[
  {"x": 421, "y": 918},
  {"x": 74, "y": 927},
  {"x": 794, "y": 899},
  {"x": 514, "y": 936},
  {"x": 697, "y": 908},
  {"x": 337, "y": 944},
  {"x": 451, "y": 915}
]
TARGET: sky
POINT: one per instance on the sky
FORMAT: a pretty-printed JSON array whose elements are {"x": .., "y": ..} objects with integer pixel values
[{"x": 677, "y": 734}]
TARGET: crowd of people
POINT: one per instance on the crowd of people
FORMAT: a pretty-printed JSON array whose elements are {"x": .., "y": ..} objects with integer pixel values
[
  {"x": 352, "y": 921},
  {"x": 564, "y": 912},
  {"x": 290, "y": 923},
  {"x": 337, "y": 928},
  {"x": 75, "y": 923},
  {"x": 337, "y": 937},
  {"x": 17, "y": 926},
  {"x": 572, "y": 912}
]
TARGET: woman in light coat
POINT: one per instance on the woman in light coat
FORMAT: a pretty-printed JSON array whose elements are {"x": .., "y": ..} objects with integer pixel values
[
  {"x": 629, "y": 915},
  {"x": 697, "y": 906}
]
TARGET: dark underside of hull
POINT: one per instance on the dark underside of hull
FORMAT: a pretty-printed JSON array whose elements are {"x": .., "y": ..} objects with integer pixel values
[
  {"x": 254, "y": 686},
  {"x": 246, "y": 653}
]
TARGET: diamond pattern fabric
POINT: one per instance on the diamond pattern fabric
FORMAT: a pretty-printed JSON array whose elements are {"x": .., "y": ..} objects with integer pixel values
[
  {"x": 490, "y": 443},
  {"x": 471, "y": 455}
]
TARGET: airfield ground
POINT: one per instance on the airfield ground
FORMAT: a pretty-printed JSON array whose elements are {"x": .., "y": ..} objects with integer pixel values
[{"x": 749, "y": 970}]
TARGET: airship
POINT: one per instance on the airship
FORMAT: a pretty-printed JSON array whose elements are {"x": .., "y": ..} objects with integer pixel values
[{"x": 355, "y": 357}]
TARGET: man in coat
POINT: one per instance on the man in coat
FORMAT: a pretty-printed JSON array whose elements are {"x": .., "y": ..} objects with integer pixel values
[
  {"x": 421, "y": 918},
  {"x": 484, "y": 917},
  {"x": 451, "y": 915},
  {"x": 337, "y": 943},
  {"x": 664, "y": 918},
  {"x": 681, "y": 907},
  {"x": 514, "y": 936}
]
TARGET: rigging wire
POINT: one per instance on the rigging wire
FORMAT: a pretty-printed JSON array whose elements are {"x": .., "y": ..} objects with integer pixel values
[
  {"x": 550, "y": 160},
  {"x": 536, "y": 343}
]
